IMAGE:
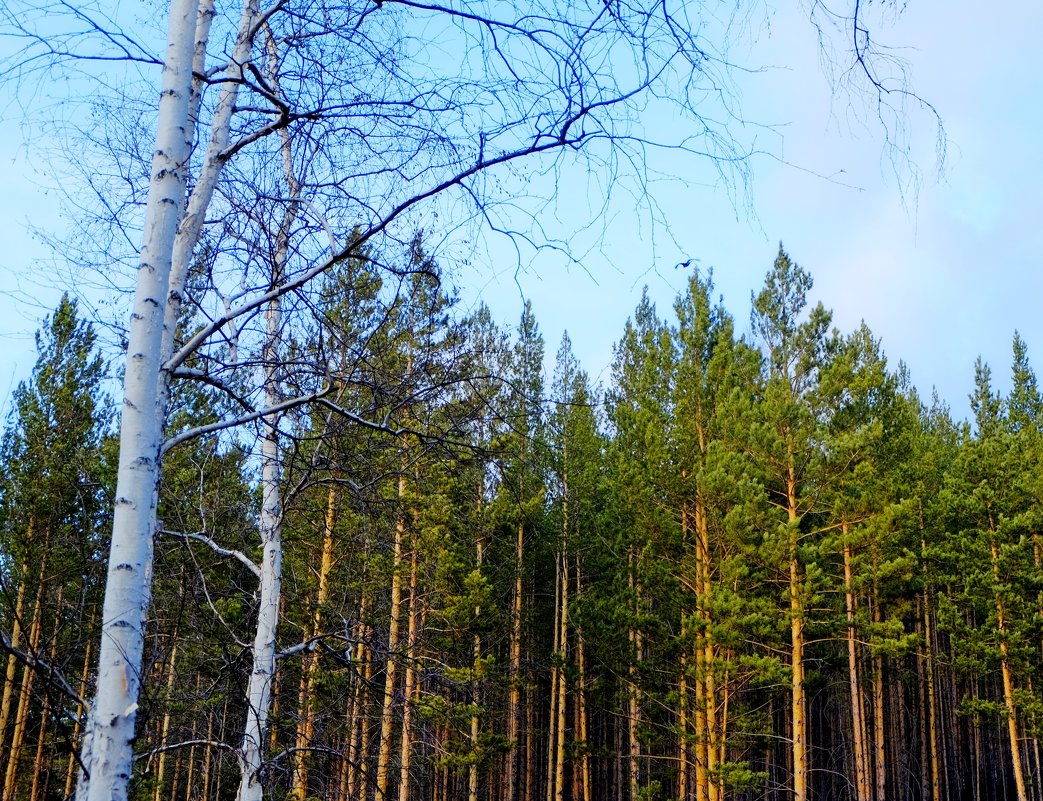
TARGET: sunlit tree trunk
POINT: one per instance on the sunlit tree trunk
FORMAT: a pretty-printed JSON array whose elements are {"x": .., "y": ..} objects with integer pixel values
[
  {"x": 563, "y": 648},
  {"x": 362, "y": 776},
  {"x": 164, "y": 729},
  {"x": 204, "y": 783},
  {"x": 714, "y": 742},
  {"x": 70, "y": 770},
  {"x": 1008, "y": 683},
  {"x": 21, "y": 720},
  {"x": 682, "y": 729},
  {"x": 391, "y": 671},
  {"x": 47, "y": 711},
  {"x": 350, "y": 755},
  {"x": 530, "y": 773},
  {"x": 798, "y": 711},
  {"x": 309, "y": 676},
  {"x": 581, "y": 703},
  {"x": 409, "y": 679},
  {"x": 854, "y": 684},
  {"x": 107, "y": 750},
  {"x": 12, "y": 663}
]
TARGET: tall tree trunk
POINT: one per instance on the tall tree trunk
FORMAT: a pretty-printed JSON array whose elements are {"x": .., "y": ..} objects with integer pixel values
[
  {"x": 41, "y": 740},
  {"x": 310, "y": 674},
  {"x": 714, "y": 787},
  {"x": 858, "y": 714},
  {"x": 798, "y": 707},
  {"x": 1008, "y": 684},
  {"x": 166, "y": 253},
  {"x": 108, "y": 742},
  {"x": 190, "y": 787},
  {"x": 390, "y": 673},
  {"x": 351, "y": 755},
  {"x": 409, "y": 683},
  {"x": 563, "y": 646},
  {"x": 633, "y": 697},
  {"x": 514, "y": 669},
  {"x": 81, "y": 691},
  {"x": 879, "y": 737},
  {"x": 476, "y": 659},
  {"x": 47, "y": 711},
  {"x": 164, "y": 729},
  {"x": 581, "y": 702},
  {"x": 21, "y": 720},
  {"x": 207, "y": 757},
  {"x": 552, "y": 715},
  {"x": 12, "y": 663},
  {"x": 363, "y": 775},
  {"x": 682, "y": 728},
  {"x": 530, "y": 773},
  {"x": 921, "y": 682},
  {"x": 262, "y": 674},
  {"x": 701, "y": 780}
]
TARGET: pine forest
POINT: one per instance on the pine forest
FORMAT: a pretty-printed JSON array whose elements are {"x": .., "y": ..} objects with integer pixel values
[{"x": 754, "y": 564}]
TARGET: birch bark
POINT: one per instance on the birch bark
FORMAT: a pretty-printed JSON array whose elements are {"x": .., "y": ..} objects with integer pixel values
[{"x": 108, "y": 741}]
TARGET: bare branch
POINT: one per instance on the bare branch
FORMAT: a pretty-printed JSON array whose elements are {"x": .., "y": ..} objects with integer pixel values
[{"x": 245, "y": 560}]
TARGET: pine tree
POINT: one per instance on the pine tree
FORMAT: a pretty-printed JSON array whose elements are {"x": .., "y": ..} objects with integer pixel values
[
  {"x": 641, "y": 473},
  {"x": 52, "y": 499},
  {"x": 786, "y": 435}
]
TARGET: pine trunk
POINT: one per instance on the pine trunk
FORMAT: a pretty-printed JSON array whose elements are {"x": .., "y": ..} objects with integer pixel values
[
  {"x": 310, "y": 674},
  {"x": 581, "y": 703},
  {"x": 391, "y": 671},
  {"x": 798, "y": 707},
  {"x": 714, "y": 742},
  {"x": 409, "y": 680},
  {"x": 164, "y": 729},
  {"x": 563, "y": 648},
  {"x": 552, "y": 715},
  {"x": 21, "y": 720},
  {"x": 476, "y": 657},
  {"x": 633, "y": 697},
  {"x": 861, "y": 756},
  {"x": 682, "y": 730},
  {"x": 514, "y": 670},
  {"x": 879, "y": 737},
  {"x": 81, "y": 691},
  {"x": 363, "y": 774},
  {"x": 12, "y": 663},
  {"x": 1008, "y": 685}
]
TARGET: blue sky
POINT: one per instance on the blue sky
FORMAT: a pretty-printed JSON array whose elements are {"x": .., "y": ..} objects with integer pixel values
[{"x": 941, "y": 274}]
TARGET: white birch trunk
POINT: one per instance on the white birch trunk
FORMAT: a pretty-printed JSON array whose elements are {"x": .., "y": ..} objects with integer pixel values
[
  {"x": 213, "y": 162},
  {"x": 259, "y": 691},
  {"x": 108, "y": 741}
]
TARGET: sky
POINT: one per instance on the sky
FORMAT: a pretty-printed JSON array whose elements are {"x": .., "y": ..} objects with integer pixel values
[{"x": 942, "y": 270}]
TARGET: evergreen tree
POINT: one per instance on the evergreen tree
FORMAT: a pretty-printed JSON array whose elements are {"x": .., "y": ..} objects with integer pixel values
[
  {"x": 787, "y": 434},
  {"x": 648, "y": 536},
  {"x": 54, "y": 490}
]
